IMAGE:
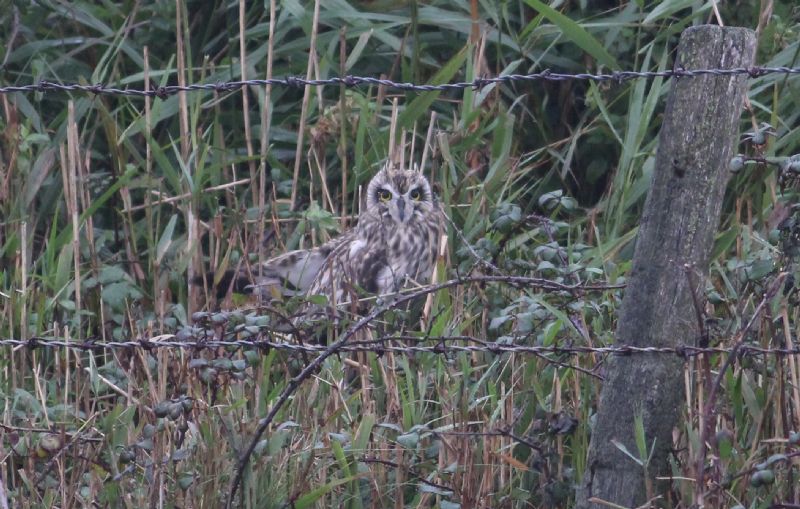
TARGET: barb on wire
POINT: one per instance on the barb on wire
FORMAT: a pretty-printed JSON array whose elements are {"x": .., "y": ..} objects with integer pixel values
[{"x": 356, "y": 81}]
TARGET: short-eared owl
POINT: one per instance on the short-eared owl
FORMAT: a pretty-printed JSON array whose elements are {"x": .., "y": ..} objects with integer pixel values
[{"x": 394, "y": 243}]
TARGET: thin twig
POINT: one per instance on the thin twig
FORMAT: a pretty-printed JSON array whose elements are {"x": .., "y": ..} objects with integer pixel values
[
  {"x": 410, "y": 470},
  {"x": 708, "y": 410}
]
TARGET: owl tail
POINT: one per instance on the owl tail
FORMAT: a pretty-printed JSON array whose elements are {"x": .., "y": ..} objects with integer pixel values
[{"x": 231, "y": 280}]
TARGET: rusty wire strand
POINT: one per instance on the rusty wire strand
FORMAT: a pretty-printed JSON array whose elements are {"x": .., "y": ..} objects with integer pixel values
[
  {"x": 383, "y": 346},
  {"x": 356, "y": 81}
]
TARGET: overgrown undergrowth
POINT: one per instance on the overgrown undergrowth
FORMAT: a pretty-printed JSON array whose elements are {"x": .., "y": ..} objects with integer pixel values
[{"x": 111, "y": 205}]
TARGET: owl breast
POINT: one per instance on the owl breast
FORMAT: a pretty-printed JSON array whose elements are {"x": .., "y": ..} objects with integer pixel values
[
  {"x": 380, "y": 259},
  {"x": 408, "y": 255}
]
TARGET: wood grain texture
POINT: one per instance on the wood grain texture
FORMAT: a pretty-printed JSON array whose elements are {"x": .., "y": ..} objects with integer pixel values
[{"x": 671, "y": 259}]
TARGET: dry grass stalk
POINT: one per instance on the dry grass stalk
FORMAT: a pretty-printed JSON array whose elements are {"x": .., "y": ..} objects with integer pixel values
[
  {"x": 312, "y": 51},
  {"x": 251, "y": 163},
  {"x": 266, "y": 123}
]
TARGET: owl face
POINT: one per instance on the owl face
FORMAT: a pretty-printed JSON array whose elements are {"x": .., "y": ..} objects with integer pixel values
[{"x": 399, "y": 195}]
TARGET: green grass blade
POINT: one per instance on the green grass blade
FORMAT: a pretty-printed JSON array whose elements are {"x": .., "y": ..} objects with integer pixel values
[{"x": 575, "y": 33}]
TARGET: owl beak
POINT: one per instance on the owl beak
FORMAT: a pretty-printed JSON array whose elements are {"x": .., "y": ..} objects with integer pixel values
[{"x": 401, "y": 209}]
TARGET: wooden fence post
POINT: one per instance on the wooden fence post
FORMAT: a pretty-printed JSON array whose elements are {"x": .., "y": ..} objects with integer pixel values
[{"x": 670, "y": 264}]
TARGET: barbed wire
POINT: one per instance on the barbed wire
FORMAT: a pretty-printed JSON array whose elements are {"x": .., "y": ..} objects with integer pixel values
[
  {"x": 163, "y": 91},
  {"x": 383, "y": 345}
]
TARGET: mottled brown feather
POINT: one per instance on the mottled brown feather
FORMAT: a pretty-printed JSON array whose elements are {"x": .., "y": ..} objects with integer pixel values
[{"x": 394, "y": 243}]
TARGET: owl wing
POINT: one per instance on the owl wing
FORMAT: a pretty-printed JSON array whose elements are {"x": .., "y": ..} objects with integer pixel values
[
  {"x": 342, "y": 274},
  {"x": 293, "y": 273}
]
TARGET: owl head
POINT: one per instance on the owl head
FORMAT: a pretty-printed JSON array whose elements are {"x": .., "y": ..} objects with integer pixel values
[{"x": 399, "y": 195}]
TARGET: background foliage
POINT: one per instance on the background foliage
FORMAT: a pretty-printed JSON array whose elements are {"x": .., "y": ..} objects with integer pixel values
[{"x": 110, "y": 206}]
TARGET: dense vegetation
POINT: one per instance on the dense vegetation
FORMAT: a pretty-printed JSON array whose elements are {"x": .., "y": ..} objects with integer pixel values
[{"x": 111, "y": 205}]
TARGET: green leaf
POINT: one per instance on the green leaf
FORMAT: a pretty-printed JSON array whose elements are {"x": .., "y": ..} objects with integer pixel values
[
  {"x": 115, "y": 294},
  {"x": 427, "y": 488},
  {"x": 498, "y": 321},
  {"x": 408, "y": 440},
  {"x": 355, "y": 53},
  {"x": 724, "y": 440},
  {"x": 318, "y": 300},
  {"x": 760, "y": 269},
  {"x": 363, "y": 433},
  {"x": 312, "y": 496},
  {"x": 576, "y": 33},
  {"x": 551, "y": 330},
  {"x": 111, "y": 274},
  {"x": 626, "y": 452},
  {"x": 320, "y": 218},
  {"x": 166, "y": 239},
  {"x": 421, "y": 105},
  {"x": 641, "y": 441},
  {"x": 666, "y": 9},
  {"x": 762, "y": 477}
]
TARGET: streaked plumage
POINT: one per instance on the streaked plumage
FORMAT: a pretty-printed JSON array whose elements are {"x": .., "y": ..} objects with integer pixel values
[{"x": 394, "y": 243}]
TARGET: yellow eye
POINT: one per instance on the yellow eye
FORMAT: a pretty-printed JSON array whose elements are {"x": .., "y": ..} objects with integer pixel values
[
  {"x": 384, "y": 195},
  {"x": 415, "y": 195}
]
